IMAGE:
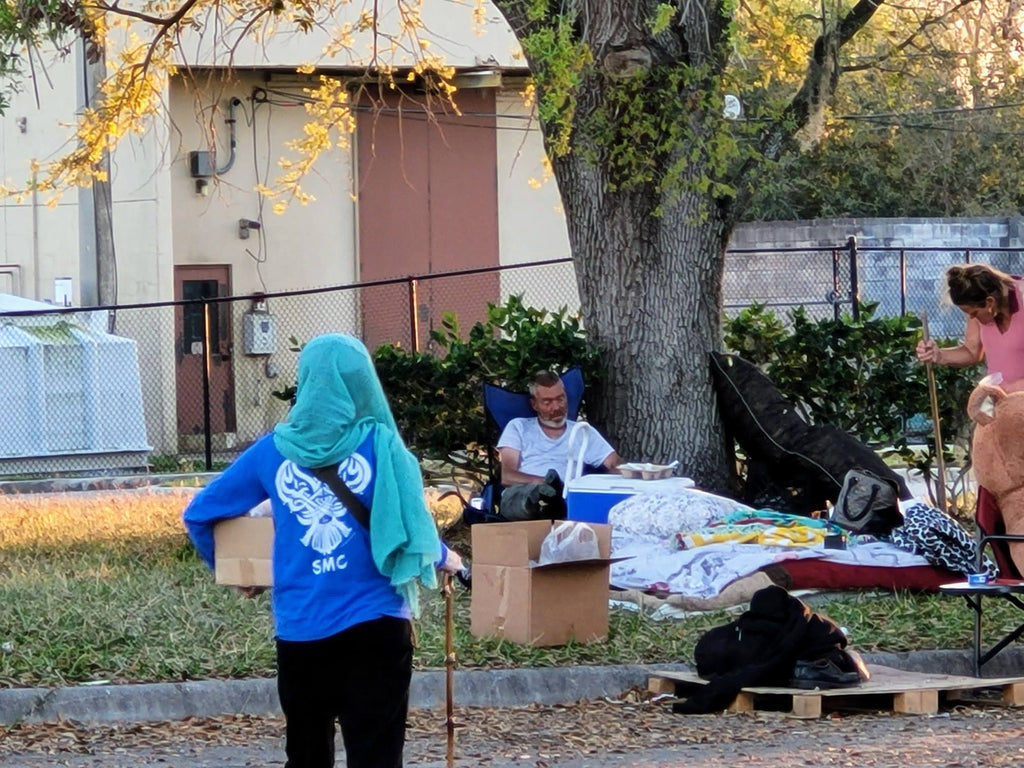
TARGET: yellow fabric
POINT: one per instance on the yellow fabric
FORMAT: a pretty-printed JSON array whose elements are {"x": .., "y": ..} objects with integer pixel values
[{"x": 765, "y": 535}]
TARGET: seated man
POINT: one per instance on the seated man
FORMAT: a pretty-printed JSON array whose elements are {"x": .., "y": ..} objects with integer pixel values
[{"x": 535, "y": 450}]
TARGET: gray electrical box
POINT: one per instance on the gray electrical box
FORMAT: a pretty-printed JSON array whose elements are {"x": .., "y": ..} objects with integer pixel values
[
  {"x": 201, "y": 164},
  {"x": 259, "y": 333}
]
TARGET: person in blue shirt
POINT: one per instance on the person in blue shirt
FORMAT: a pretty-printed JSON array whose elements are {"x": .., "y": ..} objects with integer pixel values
[{"x": 343, "y": 596}]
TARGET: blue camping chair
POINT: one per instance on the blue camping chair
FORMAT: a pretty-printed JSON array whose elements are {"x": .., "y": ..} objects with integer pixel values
[{"x": 500, "y": 407}]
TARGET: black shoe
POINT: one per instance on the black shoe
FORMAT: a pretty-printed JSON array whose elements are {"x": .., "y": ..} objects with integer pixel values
[{"x": 822, "y": 673}]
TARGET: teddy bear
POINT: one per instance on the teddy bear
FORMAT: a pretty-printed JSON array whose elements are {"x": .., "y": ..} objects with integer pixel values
[{"x": 997, "y": 452}]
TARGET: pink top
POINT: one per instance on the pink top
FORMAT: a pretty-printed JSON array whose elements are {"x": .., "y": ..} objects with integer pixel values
[{"x": 1004, "y": 351}]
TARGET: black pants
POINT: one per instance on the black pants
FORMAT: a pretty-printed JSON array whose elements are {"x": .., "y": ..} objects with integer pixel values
[{"x": 359, "y": 677}]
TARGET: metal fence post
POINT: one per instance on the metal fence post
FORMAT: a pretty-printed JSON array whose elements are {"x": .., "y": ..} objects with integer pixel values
[
  {"x": 903, "y": 283},
  {"x": 207, "y": 370},
  {"x": 835, "y": 284},
  {"x": 854, "y": 284},
  {"x": 414, "y": 315}
]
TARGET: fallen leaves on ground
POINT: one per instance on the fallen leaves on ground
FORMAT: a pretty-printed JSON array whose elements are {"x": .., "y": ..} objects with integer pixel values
[{"x": 545, "y": 734}]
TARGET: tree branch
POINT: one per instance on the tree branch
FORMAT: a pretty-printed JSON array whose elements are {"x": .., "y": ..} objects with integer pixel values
[
  {"x": 164, "y": 22},
  {"x": 517, "y": 14},
  {"x": 910, "y": 40},
  {"x": 818, "y": 87}
]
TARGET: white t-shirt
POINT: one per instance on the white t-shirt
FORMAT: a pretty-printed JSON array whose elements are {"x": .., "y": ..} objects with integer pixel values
[{"x": 538, "y": 453}]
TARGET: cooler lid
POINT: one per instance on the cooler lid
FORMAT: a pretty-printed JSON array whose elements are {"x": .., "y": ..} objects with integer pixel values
[{"x": 613, "y": 483}]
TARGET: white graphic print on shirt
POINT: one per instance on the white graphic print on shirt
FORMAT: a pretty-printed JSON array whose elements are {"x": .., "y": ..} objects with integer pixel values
[{"x": 328, "y": 523}]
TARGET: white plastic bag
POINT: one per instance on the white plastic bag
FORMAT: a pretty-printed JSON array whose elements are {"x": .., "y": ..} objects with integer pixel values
[{"x": 569, "y": 541}]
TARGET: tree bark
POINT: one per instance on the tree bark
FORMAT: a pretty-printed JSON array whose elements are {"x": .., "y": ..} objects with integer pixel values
[
  {"x": 103, "y": 224},
  {"x": 650, "y": 290},
  {"x": 649, "y": 261}
]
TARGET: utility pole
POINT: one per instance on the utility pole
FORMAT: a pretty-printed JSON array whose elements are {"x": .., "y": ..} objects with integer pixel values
[{"x": 98, "y": 258}]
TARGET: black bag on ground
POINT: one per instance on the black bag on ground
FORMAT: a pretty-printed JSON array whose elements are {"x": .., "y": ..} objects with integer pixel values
[{"x": 867, "y": 503}]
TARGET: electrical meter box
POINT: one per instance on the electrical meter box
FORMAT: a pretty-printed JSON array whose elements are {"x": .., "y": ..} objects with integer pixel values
[
  {"x": 259, "y": 333},
  {"x": 201, "y": 165}
]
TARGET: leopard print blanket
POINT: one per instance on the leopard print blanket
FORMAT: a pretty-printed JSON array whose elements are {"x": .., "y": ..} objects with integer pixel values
[{"x": 937, "y": 537}]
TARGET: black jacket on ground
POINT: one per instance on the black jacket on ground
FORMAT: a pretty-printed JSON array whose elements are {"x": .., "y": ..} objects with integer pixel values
[{"x": 759, "y": 648}]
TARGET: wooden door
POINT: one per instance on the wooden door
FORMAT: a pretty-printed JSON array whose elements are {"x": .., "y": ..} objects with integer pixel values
[
  {"x": 428, "y": 203},
  {"x": 203, "y": 282}
]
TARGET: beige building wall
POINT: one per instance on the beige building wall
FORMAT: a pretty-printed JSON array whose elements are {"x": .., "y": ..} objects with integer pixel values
[
  {"x": 307, "y": 246},
  {"x": 43, "y": 237},
  {"x": 144, "y": 246},
  {"x": 531, "y": 222},
  {"x": 451, "y": 31},
  {"x": 38, "y": 242},
  {"x": 163, "y": 219}
]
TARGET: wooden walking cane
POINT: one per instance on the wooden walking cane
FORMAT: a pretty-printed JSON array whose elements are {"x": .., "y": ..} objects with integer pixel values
[
  {"x": 449, "y": 666},
  {"x": 940, "y": 461}
]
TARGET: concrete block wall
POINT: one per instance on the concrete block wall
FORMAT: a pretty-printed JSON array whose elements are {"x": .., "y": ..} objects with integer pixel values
[{"x": 807, "y": 277}]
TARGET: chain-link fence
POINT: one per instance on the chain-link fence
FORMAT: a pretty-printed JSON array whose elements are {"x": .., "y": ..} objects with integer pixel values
[
  {"x": 186, "y": 385},
  {"x": 825, "y": 281}
]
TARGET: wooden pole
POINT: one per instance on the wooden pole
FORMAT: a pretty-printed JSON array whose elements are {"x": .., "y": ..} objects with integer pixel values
[
  {"x": 449, "y": 666},
  {"x": 940, "y": 461}
]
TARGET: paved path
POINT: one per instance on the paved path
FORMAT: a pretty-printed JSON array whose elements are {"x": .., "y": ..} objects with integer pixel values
[
  {"x": 473, "y": 688},
  {"x": 632, "y": 731}
]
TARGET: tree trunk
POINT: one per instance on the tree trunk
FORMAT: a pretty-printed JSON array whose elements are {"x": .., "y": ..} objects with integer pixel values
[
  {"x": 650, "y": 289},
  {"x": 649, "y": 246}
]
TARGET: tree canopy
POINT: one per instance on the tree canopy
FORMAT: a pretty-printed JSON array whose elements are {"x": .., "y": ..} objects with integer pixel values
[
  {"x": 930, "y": 89},
  {"x": 631, "y": 96},
  {"x": 928, "y": 133}
]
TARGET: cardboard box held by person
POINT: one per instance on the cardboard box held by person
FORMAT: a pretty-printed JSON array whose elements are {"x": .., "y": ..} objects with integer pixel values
[
  {"x": 243, "y": 551},
  {"x": 518, "y": 597}
]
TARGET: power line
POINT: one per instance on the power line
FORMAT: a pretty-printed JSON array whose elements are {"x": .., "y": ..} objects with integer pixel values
[{"x": 881, "y": 119}]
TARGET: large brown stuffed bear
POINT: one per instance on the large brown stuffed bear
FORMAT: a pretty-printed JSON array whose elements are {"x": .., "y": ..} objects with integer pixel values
[{"x": 997, "y": 452}]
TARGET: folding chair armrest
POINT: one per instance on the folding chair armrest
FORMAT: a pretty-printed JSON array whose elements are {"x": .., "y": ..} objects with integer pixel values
[{"x": 990, "y": 539}]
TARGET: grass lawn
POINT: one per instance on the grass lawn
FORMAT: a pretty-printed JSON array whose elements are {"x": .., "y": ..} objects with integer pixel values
[{"x": 107, "y": 587}]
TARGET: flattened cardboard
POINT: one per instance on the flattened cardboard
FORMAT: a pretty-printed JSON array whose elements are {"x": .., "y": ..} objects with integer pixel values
[
  {"x": 543, "y": 605},
  {"x": 243, "y": 551}
]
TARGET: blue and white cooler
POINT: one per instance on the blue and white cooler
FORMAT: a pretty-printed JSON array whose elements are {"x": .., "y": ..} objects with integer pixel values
[{"x": 588, "y": 498}]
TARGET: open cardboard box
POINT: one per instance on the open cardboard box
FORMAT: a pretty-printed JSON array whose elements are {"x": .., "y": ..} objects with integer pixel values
[
  {"x": 539, "y": 604},
  {"x": 243, "y": 551}
]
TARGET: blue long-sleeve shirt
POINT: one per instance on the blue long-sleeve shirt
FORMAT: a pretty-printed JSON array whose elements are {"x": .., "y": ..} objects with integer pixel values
[{"x": 325, "y": 580}]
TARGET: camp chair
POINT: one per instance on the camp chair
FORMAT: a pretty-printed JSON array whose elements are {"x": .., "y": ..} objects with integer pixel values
[
  {"x": 1009, "y": 586},
  {"x": 500, "y": 407}
]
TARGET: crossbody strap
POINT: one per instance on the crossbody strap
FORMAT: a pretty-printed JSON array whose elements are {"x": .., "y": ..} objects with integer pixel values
[{"x": 356, "y": 508}]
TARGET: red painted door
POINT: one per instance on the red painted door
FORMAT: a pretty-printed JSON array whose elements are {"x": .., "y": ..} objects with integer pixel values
[
  {"x": 428, "y": 203},
  {"x": 203, "y": 282}
]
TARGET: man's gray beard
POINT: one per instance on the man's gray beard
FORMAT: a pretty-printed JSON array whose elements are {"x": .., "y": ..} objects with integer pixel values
[{"x": 551, "y": 424}]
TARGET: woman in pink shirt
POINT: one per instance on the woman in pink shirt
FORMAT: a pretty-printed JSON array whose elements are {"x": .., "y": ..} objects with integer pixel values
[{"x": 992, "y": 301}]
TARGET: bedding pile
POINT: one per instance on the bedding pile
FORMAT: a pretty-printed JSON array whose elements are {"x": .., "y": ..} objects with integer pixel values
[{"x": 695, "y": 544}]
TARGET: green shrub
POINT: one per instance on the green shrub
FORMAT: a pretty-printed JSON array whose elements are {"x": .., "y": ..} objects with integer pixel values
[{"x": 437, "y": 397}]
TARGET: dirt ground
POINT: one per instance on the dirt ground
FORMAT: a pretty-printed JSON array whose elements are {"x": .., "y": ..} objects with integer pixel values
[{"x": 633, "y": 731}]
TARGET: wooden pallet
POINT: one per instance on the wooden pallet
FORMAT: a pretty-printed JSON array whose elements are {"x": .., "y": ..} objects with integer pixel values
[{"x": 888, "y": 689}]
